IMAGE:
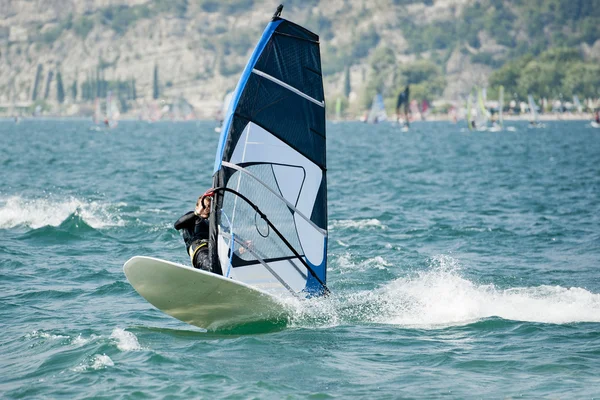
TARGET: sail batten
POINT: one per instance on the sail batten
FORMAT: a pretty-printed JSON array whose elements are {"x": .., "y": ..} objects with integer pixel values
[{"x": 291, "y": 88}]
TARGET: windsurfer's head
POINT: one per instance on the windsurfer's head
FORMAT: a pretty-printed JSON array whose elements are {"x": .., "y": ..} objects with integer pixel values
[{"x": 203, "y": 206}]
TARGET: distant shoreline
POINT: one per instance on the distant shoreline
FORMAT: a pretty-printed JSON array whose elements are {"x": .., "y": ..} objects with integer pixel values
[{"x": 431, "y": 117}]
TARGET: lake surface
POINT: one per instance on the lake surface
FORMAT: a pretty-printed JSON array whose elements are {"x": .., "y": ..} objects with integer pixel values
[{"x": 462, "y": 265}]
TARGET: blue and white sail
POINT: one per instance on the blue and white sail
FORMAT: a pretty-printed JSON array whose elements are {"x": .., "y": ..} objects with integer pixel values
[
  {"x": 377, "y": 113},
  {"x": 270, "y": 163},
  {"x": 533, "y": 110}
]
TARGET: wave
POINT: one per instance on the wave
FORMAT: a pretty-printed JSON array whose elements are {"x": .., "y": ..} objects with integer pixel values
[
  {"x": 441, "y": 297},
  {"x": 37, "y": 213},
  {"x": 126, "y": 341},
  {"x": 356, "y": 224},
  {"x": 96, "y": 362}
]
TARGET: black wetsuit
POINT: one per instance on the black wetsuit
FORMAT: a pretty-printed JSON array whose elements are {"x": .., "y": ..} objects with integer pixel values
[
  {"x": 195, "y": 236},
  {"x": 403, "y": 98}
]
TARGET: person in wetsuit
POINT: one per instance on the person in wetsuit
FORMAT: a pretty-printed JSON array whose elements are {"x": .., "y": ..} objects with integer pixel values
[
  {"x": 403, "y": 99},
  {"x": 194, "y": 226}
]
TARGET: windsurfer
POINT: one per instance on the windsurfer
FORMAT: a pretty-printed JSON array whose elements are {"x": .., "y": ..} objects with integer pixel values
[
  {"x": 403, "y": 99},
  {"x": 194, "y": 226},
  {"x": 598, "y": 116}
]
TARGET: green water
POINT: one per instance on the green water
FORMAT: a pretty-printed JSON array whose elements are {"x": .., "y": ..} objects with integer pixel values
[{"x": 462, "y": 265}]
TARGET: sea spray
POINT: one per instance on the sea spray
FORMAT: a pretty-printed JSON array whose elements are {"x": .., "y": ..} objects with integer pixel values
[
  {"x": 52, "y": 211},
  {"x": 441, "y": 296}
]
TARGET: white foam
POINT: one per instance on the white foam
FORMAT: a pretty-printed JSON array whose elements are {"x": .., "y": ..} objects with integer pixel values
[
  {"x": 44, "y": 335},
  {"x": 36, "y": 213},
  {"x": 345, "y": 264},
  {"x": 98, "y": 361},
  {"x": 441, "y": 296},
  {"x": 80, "y": 340},
  {"x": 126, "y": 341},
  {"x": 357, "y": 224}
]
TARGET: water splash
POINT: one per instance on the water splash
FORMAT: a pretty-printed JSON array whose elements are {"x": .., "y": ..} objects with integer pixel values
[
  {"x": 36, "y": 213},
  {"x": 440, "y": 297},
  {"x": 345, "y": 264},
  {"x": 126, "y": 341},
  {"x": 98, "y": 361},
  {"x": 43, "y": 335}
]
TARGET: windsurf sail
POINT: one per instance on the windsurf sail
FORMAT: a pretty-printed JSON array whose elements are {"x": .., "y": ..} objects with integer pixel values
[
  {"x": 113, "y": 111},
  {"x": 483, "y": 114},
  {"x": 533, "y": 109},
  {"x": 97, "y": 111},
  {"x": 377, "y": 113},
  {"x": 268, "y": 225},
  {"x": 577, "y": 104},
  {"x": 338, "y": 109},
  {"x": 470, "y": 119},
  {"x": 187, "y": 110},
  {"x": 501, "y": 106}
]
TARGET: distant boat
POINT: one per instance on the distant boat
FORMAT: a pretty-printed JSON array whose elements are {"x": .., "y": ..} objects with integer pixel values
[
  {"x": 187, "y": 110},
  {"x": 377, "y": 113},
  {"x": 483, "y": 115},
  {"x": 338, "y": 109},
  {"x": 534, "y": 120},
  {"x": 112, "y": 111},
  {"x": 498, "y": 125},
  {"x": 596, "y": 122},
  {"x": 470, "y": 118},
  {"x": 577, "y": 104},
  {"x": 97, "y": 111},
  {"x": 181, "y": 110}
]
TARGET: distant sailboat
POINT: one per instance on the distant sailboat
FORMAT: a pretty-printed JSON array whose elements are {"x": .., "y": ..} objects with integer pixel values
[
  {"x": 577, "y": 104},
  {"x": 181, "y": 110},
  {"x": 596, "y": 122},
  {"x": 112, "y": 111},
  {"x": 403, "y": 103},
  {"x": 470, "y": 117},
  {"x": 377, "y": 113},
  {"x": 483, "y": 115},
  {"x": 498, "y": 125},
  {"x": 97, "y": 111},
  {"x": 187, "y": 110},
  {"x": 338, "y": 109},
  {"x": 534, "y": 120}
]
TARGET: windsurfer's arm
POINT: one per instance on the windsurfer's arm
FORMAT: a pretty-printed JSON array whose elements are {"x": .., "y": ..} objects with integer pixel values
[{"x": 185, "y": 220}]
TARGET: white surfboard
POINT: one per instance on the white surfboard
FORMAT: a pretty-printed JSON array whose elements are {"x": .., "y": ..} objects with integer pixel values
[{"x": 201, "y": 298}]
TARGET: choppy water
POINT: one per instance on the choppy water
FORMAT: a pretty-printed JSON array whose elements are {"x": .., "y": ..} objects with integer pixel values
[{"x": 462, "y": 265}]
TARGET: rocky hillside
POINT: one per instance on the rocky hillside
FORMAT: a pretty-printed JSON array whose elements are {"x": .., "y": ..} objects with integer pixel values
[{"x": 58, "y": 50}]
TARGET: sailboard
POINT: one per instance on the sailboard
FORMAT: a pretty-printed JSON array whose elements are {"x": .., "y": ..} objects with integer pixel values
[
  {"x": 200, "y": 298},
  {"x": 268, "y": 220}
]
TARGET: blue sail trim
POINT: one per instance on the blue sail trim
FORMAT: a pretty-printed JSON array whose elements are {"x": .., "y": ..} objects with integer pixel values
[
  {"x": 240, "y": 88},
  {"x": 313, "y": 288}
]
